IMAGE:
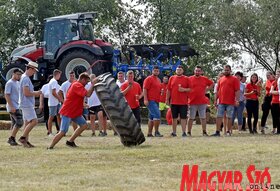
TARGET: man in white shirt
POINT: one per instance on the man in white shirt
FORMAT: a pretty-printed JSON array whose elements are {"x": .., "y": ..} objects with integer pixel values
[
  {"x": 120, "y": 79},
  {"x": 54, "y": 99},
  {"x": 63, "y": 91}
]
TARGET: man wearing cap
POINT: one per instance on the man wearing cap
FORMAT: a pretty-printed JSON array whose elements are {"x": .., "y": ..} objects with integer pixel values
[
  {"x": 74, "y": 99},
  {"x": 27, "y": 102},
  {"x": 12, "y": 98}
]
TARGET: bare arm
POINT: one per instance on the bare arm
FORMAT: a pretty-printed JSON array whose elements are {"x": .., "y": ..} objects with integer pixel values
[
  {"x": 56, "y": 95},
  {"x": 127, "y": 89},
  {"x": 210, "y": 87},
  {"x": 60, "y": 95},
  {"x": 9, "y": 101},
  {"x": 41, "y": 105},
  {"x": 146, "y": 102},
  {"x": 167, "y": 101},
  {"x": 28, "y": 93}
]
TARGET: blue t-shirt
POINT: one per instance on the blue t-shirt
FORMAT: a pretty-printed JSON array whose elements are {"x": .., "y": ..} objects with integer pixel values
[
  {"x": 26, "y": 101},
  {"x": 12, "y": 88}
]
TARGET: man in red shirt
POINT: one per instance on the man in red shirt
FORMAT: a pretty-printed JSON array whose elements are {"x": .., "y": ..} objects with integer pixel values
[
  {"x": 266, "y": 106},
  {"x": 228, "y": 92},
  {"x": 197, "y": 100},
  {"x": 133, "y": 93},
  {"x": 72, "y": 109},
  {"x": 177, "y": 92},
  {"x": 151, "y": 90}
]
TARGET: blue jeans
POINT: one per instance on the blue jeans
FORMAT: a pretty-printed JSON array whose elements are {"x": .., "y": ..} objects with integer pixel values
[
  {"x": 154, "y": 113},
  {"x": 65, "y": 122},
  {"x": 238, "y": 111}
]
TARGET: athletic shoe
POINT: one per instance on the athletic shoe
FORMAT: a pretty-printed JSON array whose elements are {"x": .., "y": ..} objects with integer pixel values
[
  {"x": 24, "y": 142},
  {"x": 49, "y": 148},
  {"x": 189, "y": 134},
  {"x": 205, "y": 134},
  {"x": 102, "y": 134},
  {"x": 256, "y": 132},
  {"x": 29, "y": 144},
  {"x": 228, "y": 133},
  {"x": 115, "y": 134},
  {"x": 150, "y": 135},
  {"x": 71, "y": 144},
  {"x": 184, "y": 134},
  {"x": 93, "y": 135},
  {"x": 217, "y": 134},
  {"x": 173, "y": 135},
  {"x": 157, "y": 134},
  {"x": 12, "y": 141}
]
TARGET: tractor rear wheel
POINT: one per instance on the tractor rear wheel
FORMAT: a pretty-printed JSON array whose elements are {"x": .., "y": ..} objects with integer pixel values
[
  {"x": 79, "y": 61},
  {"x": 118, "y": 111},
  {"x": 9, "y": 69}
]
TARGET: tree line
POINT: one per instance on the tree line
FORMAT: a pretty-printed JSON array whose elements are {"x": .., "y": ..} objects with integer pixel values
[{"x": 218, "y": 29}]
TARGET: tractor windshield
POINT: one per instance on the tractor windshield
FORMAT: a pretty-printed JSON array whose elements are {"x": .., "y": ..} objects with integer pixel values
[{"x": 86, "y": 30}]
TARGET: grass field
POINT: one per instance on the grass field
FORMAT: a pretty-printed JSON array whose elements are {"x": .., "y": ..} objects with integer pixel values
[{"x": 104, "y": 164}]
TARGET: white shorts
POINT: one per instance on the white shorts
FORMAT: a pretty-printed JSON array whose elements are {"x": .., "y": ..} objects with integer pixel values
[{"x": 28, "y": 114}]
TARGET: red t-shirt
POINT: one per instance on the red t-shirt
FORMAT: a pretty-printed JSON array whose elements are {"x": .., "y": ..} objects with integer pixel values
[
  {"x": 275, "y": 98},
  {"x": 227, "y": 86},
  {"x": 152, "y": 85},
  {"x": 268, "y": 86},
  {"x": 198, "y": 87},
  {"x": 249, "y": 88},
  {"x": 130, "y": 96},
  {"x": 163, "y": 89},
  {"x": 178, "y": 98},
  {"x": 73, "y": 104}
]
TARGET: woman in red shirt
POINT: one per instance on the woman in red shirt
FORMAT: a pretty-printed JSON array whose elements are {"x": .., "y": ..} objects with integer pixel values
[
  {"x": 275, "y": 109},
  {"x": 252, "y": 92}
]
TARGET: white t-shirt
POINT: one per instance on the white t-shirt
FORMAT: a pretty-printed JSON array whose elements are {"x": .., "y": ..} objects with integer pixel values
[
  {"x": 93, "y": 99},
  {"x": 45, "y": 90},
  {"x": 65, "y": 87},
  {"x": 53, "y": 101},
  {"x": 119, "y": 83}
]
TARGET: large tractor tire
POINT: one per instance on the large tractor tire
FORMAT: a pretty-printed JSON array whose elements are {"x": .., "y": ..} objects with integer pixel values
[
  {"x": 80, "y": 61},
  {"x": 9, "y": 69},
  {"x": 118, "y": 111}
]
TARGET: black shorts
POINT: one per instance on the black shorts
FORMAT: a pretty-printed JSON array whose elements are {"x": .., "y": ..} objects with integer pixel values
[
  {"x": 179, "y": 109},
  {"x": 95, "y": 109},
  {"x": 137, "y": 114}
]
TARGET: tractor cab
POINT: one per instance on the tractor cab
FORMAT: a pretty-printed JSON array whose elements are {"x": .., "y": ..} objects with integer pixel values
[{"x": 63, "y": 29}]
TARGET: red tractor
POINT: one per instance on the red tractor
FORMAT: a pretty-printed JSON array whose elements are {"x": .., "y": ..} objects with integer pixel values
[{"x": 68, "y": 43}]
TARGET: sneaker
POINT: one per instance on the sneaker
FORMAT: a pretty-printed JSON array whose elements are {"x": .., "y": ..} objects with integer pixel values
[
  {"x": 184, "y": 134},
  {"x": 157, "y": 134},
  {"x": 49, "y": 148},
  {"x": 189, "y": 134},
  {"x": 217, "y": 134},
  {"x": 115, "y": 134},
  {"x": 12, "y": 142},
  {"x": 256, "y": 132},
  {"x": 228, "y": 133},
  {"x": 205, "y": 134},
  {"x": 150, "y": 135},
  {"x": 30, "y": 145},
  {"x": 262, "y": 131},
  {"x": 71, "y": 144},
  {"x": 173, "y": 135},
  {"x": 102, "y": 134},
  {"x": 24, "y": 142},
  {"x": 93, "y": 135},
  {"x": 50, "y": 135}
]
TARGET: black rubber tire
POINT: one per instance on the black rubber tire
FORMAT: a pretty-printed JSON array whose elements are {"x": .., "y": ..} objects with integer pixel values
[
  {"x": 118, "y": 111},
  {"x": 79, "y": 60},
  {"x": 8, "y": 71}
]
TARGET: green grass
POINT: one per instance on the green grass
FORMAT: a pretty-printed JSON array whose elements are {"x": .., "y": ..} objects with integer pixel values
[{"x": 104, "y": 164}]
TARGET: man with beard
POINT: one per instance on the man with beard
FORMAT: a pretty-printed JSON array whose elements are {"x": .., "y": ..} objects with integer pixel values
[{"x": 228, "y": 93}]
